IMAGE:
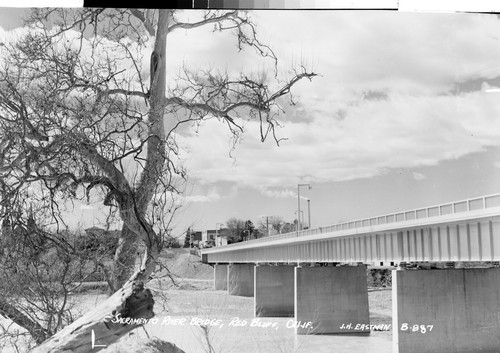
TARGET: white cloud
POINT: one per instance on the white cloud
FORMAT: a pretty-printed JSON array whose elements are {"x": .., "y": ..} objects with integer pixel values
[
  {"x": 381, "y": 103},
  {"x": 212, "y": 195},
  {"x": 386, "y": 51},
  {"x": 278, "y": 193},
  {"x": 197, "y": 198},
  {"x": 401, "y": 132},
  {"x": 383, "y": 100},
  {"x": 418, "y": 176}
]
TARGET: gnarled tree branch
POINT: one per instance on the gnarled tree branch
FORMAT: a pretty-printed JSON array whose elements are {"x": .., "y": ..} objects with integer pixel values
[{"x": 37, "y": 331}]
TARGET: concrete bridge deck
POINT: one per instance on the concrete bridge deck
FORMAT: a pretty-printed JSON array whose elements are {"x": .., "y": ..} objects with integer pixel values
[{"x": 467, "y": 230}]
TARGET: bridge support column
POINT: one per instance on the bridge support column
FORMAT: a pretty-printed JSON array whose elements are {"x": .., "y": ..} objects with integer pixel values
[
  {"x": 331, "y": 299},
  {"x": 240, "y": 280},
  {"x": 220, "y": 277},
  {"x": 452, "y": 310},
  {"x": 274, "y": 286}
]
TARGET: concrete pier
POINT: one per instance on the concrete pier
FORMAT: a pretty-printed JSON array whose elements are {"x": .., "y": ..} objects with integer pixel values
[
  {"x": 274, "y": 291},
  {"x": 240, "y": 280},
  {"x": 220, "y": 277},
  {"x": 449, "y": 310},
  {"x": 331, "y": 300}
]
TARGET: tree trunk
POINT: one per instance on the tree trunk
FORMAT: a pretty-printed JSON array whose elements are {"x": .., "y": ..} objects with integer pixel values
[
  {"x": 124, "y": 259},
  {"x": 96, "y": 330},
  {"x": 135, "y": 204}
]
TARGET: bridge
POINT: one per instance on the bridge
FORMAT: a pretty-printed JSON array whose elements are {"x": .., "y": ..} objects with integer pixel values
[{"x": 318, "y": 276}]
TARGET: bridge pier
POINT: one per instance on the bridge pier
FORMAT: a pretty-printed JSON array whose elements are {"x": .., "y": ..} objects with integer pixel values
[
  {"x": 274, "y": 291},
  {"x": 240, "y": 280},
  {"x": 220, "y": 277},
  {"x": 450, "y": 310},
  {"x": 333, "y": 299}
]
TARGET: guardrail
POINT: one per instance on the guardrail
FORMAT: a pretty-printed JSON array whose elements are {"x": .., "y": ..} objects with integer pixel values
[{"x": 467, "y": 205}]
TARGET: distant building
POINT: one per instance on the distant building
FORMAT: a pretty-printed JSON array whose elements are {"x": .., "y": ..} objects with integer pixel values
[
  {"x": 211, "y": 234},
  {"x": 197, "y": 236},
  {"x": 209, "y": 237},
  {"x": 221, "y": 237}
]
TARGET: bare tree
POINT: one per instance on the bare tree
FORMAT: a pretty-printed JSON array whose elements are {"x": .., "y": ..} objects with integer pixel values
[
  {"x": 288, "y": 227},
  {"x": 235, "y": 227},
  {"x": 273, "y": 222},
  {"x": 39, "y": 270},
  {"x": 81, "y": 118}
]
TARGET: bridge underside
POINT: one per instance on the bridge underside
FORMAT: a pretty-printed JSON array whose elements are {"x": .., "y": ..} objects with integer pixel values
[
  {"x": 435, "y": 310},
  {"x": 442, "y": 310}
]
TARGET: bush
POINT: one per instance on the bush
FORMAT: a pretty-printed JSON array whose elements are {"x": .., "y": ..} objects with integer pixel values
[
  {"x": 104, "y": 243},
  {"x": 171, "y": 242},
  {"x": 379, "y": 277}
]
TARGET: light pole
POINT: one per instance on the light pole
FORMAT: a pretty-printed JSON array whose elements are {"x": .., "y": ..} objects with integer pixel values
[
  {"x": 298, "y": 202},
  {"x": 309, "y": 213}
]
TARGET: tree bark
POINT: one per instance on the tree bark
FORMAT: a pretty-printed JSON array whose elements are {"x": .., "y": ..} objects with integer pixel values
[
  {"x": 124, "y": 259},
  {"x": 133, "y": 301},
  {"x": 36, "y": 331},
  {"x": 152, "y": 172}
]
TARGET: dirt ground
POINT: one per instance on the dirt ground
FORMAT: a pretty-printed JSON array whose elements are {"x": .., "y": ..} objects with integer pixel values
[
  {"x": 181, "y": 264},
  {"x": 193, "y": 297},
  {"x": 197, "y": 299},
  {"x": 186, "y": 291}
]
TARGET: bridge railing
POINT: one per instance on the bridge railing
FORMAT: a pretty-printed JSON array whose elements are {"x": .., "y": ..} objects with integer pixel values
[{"x": 477, "y": 203}]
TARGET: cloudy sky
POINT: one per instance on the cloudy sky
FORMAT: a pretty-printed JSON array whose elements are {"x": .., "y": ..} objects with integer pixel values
[
  {"x": 400, "y": 118},
  {"x": 404, "y": 115}
]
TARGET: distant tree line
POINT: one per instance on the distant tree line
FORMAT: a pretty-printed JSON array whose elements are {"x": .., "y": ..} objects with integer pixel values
[
  {"x": 238, "y": 230},
  {"x": 241, "y": 230},
  {"x": 277, "y": 225}
]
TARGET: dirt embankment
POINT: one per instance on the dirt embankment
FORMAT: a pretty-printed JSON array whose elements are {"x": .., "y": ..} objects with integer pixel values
[{"x": 181, "y": 264}]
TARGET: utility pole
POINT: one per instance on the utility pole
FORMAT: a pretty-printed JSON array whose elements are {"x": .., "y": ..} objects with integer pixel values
[
  {"x": 217, "y": 243},
  {"x": 267, "y": 223}
]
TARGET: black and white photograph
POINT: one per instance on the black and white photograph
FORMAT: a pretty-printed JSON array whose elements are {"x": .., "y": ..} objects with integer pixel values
[{"x": 249, "y": 178}]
